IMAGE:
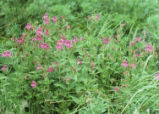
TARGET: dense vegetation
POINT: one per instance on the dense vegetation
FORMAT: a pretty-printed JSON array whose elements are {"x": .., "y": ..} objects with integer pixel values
[{"x": 81, "y": 56}]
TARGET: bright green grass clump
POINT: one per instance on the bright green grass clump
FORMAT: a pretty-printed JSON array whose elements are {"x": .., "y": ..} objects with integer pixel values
[{"x": 85, "y": 57}]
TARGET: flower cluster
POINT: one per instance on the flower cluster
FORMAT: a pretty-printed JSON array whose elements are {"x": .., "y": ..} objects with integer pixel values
[
  {"x": 43, "y": 45},
  {"x": 6, "y": 54},
  {"x": 45, "y": 18},
  {"x": 4, "y": 67},
  {"x": 44, "y": 69},
  {"x": 63, "y": 41}
]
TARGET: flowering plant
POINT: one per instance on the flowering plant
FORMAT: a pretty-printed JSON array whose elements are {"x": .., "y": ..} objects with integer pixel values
[{"x": 57, "y": 72}]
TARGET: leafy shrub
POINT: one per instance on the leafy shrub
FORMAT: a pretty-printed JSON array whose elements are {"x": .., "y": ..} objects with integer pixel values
[{"x": 56, "y": 67}]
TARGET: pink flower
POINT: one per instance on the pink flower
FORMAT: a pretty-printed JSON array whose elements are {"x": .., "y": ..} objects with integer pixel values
[
  {"x": 38, "y": 38},
  {"x": 39, "y": 67},
  {"x": 116, "y": 88},
  {"x": 108, "y": 56},
  {"x": 62, "y": 40},
  {"x": 137, "y": 55},
  {"x": 38, "y": 34},
  {"x": 132, "y": 43},
  {"x": 6, "y": 54},
  {"x": 56, "y": 63},
  {"x": 124, "y": 64},
  {"x": 149, "y": 48},
  {"x": 60, "y": 35},
  {"x": 54, "y": 19},
  {"x": 41, "y": 45},
  {"x": 67, "y": 27},
  {"x": 46, "y": 21},
  {"x": 92, "y": 65},
  {"x": 39, "y": 31},
  {"x": 47, "y": 32},
  {"x": 44, "y": 46},
  {"x": 59, "y": 46},
  {"x": 82, "y": 38},
  {"x": 33, "y": 84},
  {"x": 4, "y": 67},
  {"x": 75, "y": 39},
  {"x": 20, "y": 41},
  {"x": 32, "y": 40},
  {"x": 45, "y": 16},
  {"x": 97, "y": 17},
  {"x": 28, "y": 26},
  {"x": 137, "y": 39},
  {"x": 68, "y": 43},
  {"x": 23, "y": 35},
  {"x": 106, "y": 41},
  {"x": 68, "y": 79},
  {"x": 50, "y": 69},
  {"x": 134, "y": 65},
  {"x": 79, "y": 61},
  {"x": 157, "y": 76}
]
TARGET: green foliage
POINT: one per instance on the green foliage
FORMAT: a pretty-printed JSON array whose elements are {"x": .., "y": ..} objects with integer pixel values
[
  {"x": 16, "y": 13},
  {"x": 89, "y": 87}
]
